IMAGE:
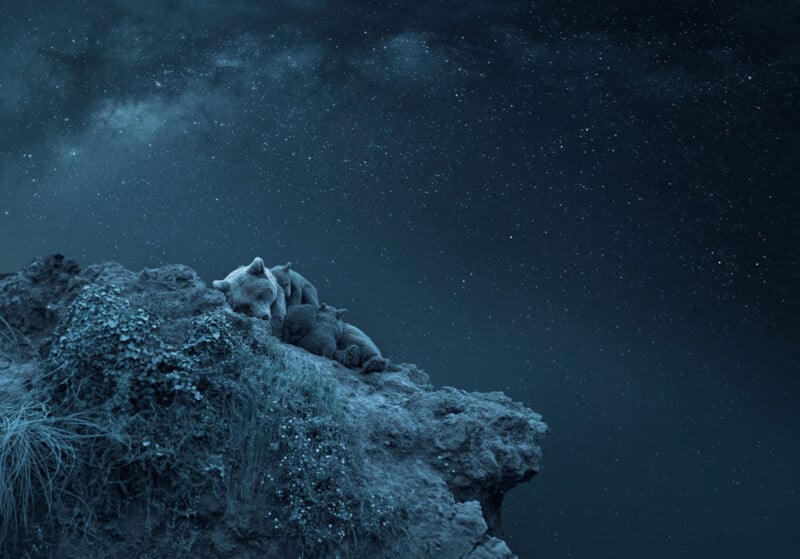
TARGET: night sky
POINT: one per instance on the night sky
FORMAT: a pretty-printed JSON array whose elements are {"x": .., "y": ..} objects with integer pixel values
[{"x": 593, "y": 208}]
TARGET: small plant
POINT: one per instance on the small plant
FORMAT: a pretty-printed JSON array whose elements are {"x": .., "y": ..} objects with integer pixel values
[
  {"x": 293, "y": 454},
  {"x": 108, "y": 354},
  {"x": 38, "y": 456}
]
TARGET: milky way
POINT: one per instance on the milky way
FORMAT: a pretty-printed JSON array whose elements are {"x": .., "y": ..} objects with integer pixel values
[{"x": 593, "y": 209}]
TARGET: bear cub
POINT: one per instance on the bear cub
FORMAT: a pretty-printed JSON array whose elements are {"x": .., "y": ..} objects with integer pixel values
[
  {"x": 314, "y": 328},
  {"x": 320, "y": 330},
  {"x": 297, "y": 289}
]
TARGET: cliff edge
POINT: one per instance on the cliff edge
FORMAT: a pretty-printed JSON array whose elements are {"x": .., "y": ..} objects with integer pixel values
[{"x": 142, "y": 417}]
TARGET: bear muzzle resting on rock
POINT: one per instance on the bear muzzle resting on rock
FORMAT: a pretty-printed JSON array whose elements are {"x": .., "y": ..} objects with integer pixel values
[
  {"x": 254, "y": 291},
  {"x": 297, "y": 289}
]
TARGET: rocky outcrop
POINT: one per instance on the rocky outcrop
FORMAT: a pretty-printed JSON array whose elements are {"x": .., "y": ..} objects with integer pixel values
[{"x": 205, "y": 436}]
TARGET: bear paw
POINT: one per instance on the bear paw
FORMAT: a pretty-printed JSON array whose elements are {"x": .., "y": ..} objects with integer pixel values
[
  {"x": 375, "y": 365},
  {"x": 350, "y": 356}
]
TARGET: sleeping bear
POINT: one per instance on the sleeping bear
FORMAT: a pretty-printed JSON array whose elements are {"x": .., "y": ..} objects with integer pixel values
[
  {"x": 320, "y": 330},
  {"x": 357, "y": 350},
  {"x": 253, "y": 290},
  {"x": 314, "y": 328},
  {"x": 297, "y": 289}
]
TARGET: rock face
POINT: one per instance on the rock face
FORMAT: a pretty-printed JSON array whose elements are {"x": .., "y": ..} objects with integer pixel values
[{"x": 200, "y": 434}]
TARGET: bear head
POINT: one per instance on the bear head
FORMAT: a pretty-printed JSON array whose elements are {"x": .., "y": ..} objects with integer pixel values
[
  {"x": 250, "y": 289},
  {"x": 283, "y": 274}
]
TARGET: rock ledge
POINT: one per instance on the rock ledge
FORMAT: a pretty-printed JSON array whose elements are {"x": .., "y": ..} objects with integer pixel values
[{"x": 189, "y": 430}]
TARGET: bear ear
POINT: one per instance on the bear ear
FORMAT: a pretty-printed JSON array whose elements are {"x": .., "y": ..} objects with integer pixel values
[
  {"x": 323, "y": 307},
  {"x": 256, "y": 267},
  {"x": 339, "y": 312},
  {"x": 285, "y": 267},
  {"x": 222, "y": 285}
]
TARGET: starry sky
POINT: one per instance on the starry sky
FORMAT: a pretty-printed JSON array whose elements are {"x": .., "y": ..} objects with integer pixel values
[{"x": 593, "y": 208}]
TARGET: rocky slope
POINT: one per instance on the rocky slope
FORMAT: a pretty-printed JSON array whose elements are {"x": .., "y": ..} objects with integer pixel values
[{"x": 144, "y": 418}]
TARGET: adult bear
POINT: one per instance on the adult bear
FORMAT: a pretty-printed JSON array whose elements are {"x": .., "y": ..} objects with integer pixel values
[{"x": 255, "y": 291}]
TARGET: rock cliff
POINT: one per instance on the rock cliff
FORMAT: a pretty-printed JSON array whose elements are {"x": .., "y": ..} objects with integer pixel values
[{"x": 142, "y": 417}]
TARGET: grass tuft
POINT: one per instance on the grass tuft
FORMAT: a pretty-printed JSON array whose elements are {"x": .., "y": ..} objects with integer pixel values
[{"x": 38, "y": 457}]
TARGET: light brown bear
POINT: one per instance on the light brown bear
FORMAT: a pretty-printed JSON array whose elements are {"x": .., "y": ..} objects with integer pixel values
[{"x": 254, "y": 290}]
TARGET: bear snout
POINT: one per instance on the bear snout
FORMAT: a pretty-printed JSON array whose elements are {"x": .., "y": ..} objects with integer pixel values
[{"x": 263, "y": 314}]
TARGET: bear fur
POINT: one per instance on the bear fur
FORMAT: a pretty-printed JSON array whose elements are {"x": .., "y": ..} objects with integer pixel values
[
  {"x": 320, "y": 330},
  {"x": 297, "y": 289},
  {"x": 254, "y": 290},
  {"x": 357, "y": 350},
  {"x": 314, "y": 328}
]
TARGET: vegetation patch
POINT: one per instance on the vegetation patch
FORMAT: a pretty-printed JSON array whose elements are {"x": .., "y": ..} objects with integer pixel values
[{"x": 222, "y": 442}]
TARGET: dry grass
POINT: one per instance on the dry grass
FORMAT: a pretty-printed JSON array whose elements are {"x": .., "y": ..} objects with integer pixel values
[{"x": 38, "y": 456}]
